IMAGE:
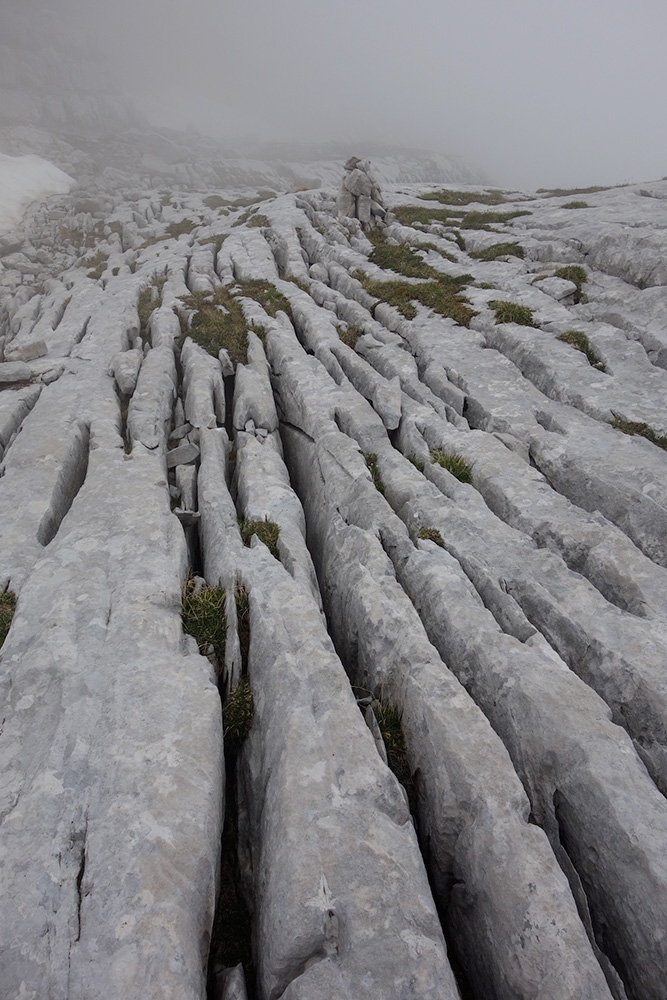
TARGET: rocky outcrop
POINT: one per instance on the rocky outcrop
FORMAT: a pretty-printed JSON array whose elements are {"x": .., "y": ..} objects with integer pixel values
[
  {"x": 360, "y": 195},
  {"x": 435, "y": 539}
]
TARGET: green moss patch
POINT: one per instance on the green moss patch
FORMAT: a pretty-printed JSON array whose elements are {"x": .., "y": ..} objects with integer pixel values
[
  {"x": 218, "y": 322},
  {"x": 576, "y": 274},
  {"x": 268, "y": 296},
  {"x": 442, "y": 296},
  {"x": 203, "y": 616},
  {"x": 371, "y": 460},
  {"x": 576, "y": 204},
  {"x": 432, "y": 535}
]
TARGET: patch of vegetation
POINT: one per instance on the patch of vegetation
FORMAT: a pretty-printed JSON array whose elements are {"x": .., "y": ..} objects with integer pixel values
[
  {"x": 148, "y": 303},
  {"x": 154, "y": 240},
  {"x": 409, "y": 214},
  {"x": 575, "y": 273},
  {"x": 219, "y": 322},
  {"x": 432, "y": 535},
  {"x": 453, "y": 463},
  {"x": 268, "y": 296},
  {"x": 266, "y": 531},
  {"x": 483, "y": 220},
  {"x": 97, "y": 265},
  {"x": 182, "y": 228},
  {"x": 458, "y": 239},
  {"x": 580, "y": 342},
  {"x": 351, "y": 336},
  {"x": 442, "y": 296},
  {"x": 7, "y": 609},
  {"x": 238, "y": 713},
  {"x": 217, "y": 240},
  {"x": 499, "y": 250},
  {"x": 389, "y": 720},
  {"x": 576, "y": 204},
  {"x": 417, "y": 462},
  {"x": 371, "y": 460},
  {"x": 512, "y": 312},
  {"x": 214, "y": 201},
  {"x": 564, "y": 192},
  {"x": 258, "y": 221},
  {"x": 465, "y": 197},
  {"x": 243, "y": 622},
  {"x": 403, "y": 260},
  {"x": 643, "y": 430},
  {"x": 203, "y": 616}
]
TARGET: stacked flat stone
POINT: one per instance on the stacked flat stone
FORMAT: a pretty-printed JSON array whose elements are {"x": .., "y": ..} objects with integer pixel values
[{"x": 360, "y": 194}]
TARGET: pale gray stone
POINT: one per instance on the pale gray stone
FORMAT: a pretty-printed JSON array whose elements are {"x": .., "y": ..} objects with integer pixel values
[
  {"x": 357, "y": 182},
  {"x": 184, "y": 454},
  {"x": 15, "y": 371},
  {"x": 125, "y": 369},
  {"x": 27, "y": 351}
]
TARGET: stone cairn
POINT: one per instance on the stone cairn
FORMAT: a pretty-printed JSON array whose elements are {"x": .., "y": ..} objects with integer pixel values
[{"x": 360, "y": 195}]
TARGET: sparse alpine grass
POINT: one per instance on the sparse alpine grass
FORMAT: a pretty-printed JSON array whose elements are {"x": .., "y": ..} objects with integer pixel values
[
  {"x": 417, "y": 462},
  {"x": 7, "y": 609},
  {"x": 576, "y": 204},
  {"x": 238, "y": 714},
  {"x": 389, "y": 720},
  {"x": 266, "y": 531},
  {"x": 499, "y": 250},
  {"x": 465, "y": 197},
  {"x": 580, "y": 342},
  {"x": 214, "y": 201},
  {"x": 371, "y": 460},
  {"x": 409, "y": 214},
  {"x": 432, "y": 535},
  {"x": 575, "y": 273},
  {"x": 351, "y": 336},
  {"x": 643, "y": 430},
  {"x": 203, "y": 616},
  {"x": 218, "y": 322},
  {"x": 403, "y": 260},
  {"x": 443, "y": 295},
  {"x": 182, "y": 228},
  {"x": 512, "y": 312},
  {"x": 565, "y": 192},
  {"x": 266, "y": 294},
  {"x": 453, "y": 463},
  {"x": 258, "y": 221}
]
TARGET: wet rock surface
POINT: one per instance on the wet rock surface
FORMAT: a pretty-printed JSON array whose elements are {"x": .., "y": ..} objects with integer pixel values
[{"x": 412, "y": 444}]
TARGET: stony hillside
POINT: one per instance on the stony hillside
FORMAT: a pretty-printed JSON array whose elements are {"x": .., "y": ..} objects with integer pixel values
[{"x": 394, "y": 501}]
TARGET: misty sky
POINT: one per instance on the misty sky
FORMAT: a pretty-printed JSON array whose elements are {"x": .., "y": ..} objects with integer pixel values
[{"x": 536, "y": 93}]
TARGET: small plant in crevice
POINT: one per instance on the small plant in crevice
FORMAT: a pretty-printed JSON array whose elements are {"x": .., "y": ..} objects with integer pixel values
[
  {"x": 371, "y": 460},
  {"x": 512, "y": 312},
  {"x": 632, "y": 427},
  {"x": 454, "y": 464},
  {"x": 432, "y": 535},
  {"x": 458, "y": 239},
  {"x": 268, "y": 296},
  {"x": 203, "y": 616},
  {"x": 266, "y": 531},
  {"x": 238, "y": 714},
  {"x": 97, "y": 265},
  {"x": 218, "y": 322},
  {"x": 580, "y": 342},
  {"x": 499, "y": 250},
  {"x": 243, "y": 622},
  {"x": 350, "y": 336},
  {"x": 576, "y": 204},
  {"x": 215, "y": 240},
  {"x": 148, "y": 302},
  {"x": 576, "y": 274},
  {"x": 417, "y": 462},
  {"x": 389, "y": 720},
  {"x": 7, "y": 609}
]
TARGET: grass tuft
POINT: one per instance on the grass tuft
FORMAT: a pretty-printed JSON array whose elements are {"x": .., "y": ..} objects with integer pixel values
[
  {"x": 238, "y": 713},
  {"x": 258, "y": 221},
  {"x": 203, "y": 616},
  {"x": 512, "y": 312},
  {"x": 643, "y": 430},
  {"x": 351, "y": 336},
  {"x": 442, "y": 296},
  {"x": 580, "y": 342},
  {"x": 389, "y": 721},
  {"x": 403, "y": 260},
  {"x": 453, "y": 463},
  {"x": 409, "y": 214},
  {"x": 417, "y": 462},
  {"x": 576, "y": 274},
  {"x": 576, "y": 204},
  {"x": 371, "y": 460},
  {"x": 499, "y": 250},
  {"x": 268, "y": 296},
  {"x": 7, "y": 609},
  {"x": 564, "y": 192},
  {"x": 432, "y": 535},
  {"x": 214, "y": 201},
  {"x": 218, "y": 322},
  {"x": 266, "y": 531}
]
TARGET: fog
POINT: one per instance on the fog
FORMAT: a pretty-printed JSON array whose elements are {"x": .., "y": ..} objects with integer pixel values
[{"x": 535, "y": 93}]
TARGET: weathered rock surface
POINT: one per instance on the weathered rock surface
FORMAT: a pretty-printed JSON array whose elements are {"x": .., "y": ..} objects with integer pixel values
[{"x": 512, "y": 613}]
